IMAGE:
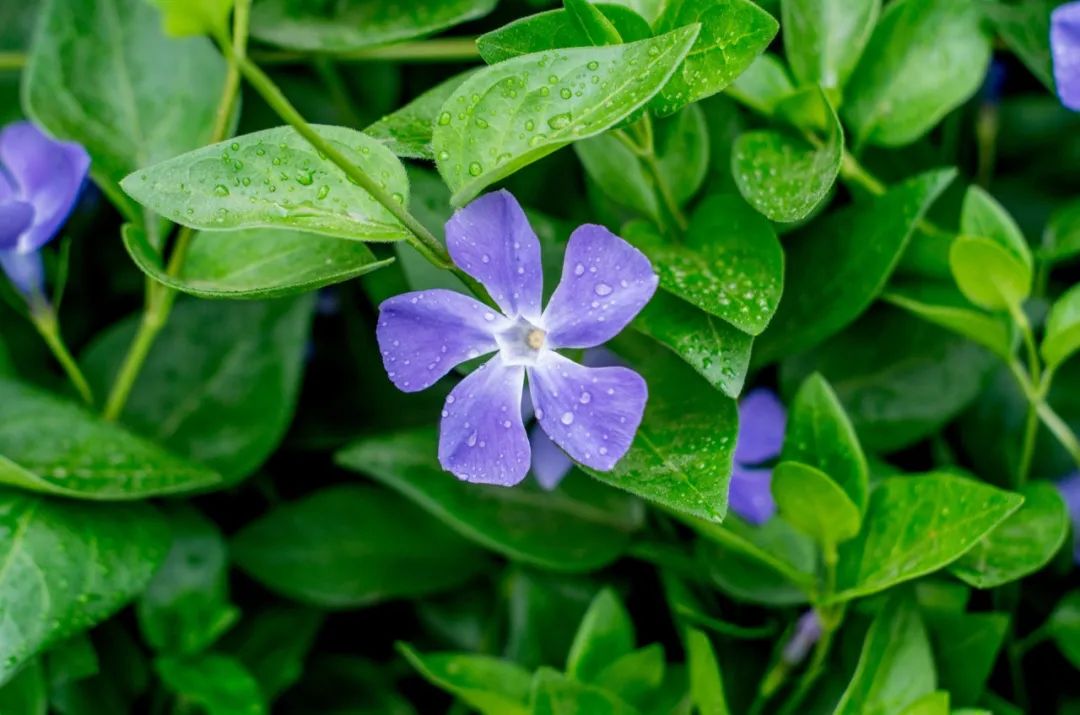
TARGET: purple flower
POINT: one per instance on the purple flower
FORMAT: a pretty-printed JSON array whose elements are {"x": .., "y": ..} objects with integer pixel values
[
  {"x": 1065, "y": 49},
  {"x": 590, "y": 413},
  {"x": 40, "y": 182},
  {"x": 1070, "y": 492},
  {"x": 807, "y": 632},
  {"x": 761, "y": 435}
]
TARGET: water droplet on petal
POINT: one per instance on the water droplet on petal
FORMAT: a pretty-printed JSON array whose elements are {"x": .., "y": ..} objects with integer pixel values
[
  {"x": 567, "y": 418},
  {"x": 602, "y": 289},
  {"x": 579, "y": 269}
]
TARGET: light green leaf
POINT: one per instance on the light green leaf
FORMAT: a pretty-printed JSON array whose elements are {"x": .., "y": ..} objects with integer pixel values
[
  {"x": 275, "y": 179},
  {"x": 892, "y": 98},
  {"x": 820, "y": 434},
  {"x": 348, "y": 546},
  {"x": 185, "y": 18},
  {"x": 68, "y": 566},
  {"x": 606, "y": 634},
  {"x": 814, "y": 504},
  {"x": 706, "y": 681},
  {"x": 733, "y": 34},
  {"x": 896, "y": 667},
  {"x": 945, "y": 306},
  {"x": 217, "y": 683},
  {"x": 581, "y": 526},
  {"x": 352, "y": 24},
  {"x": 1022, "y": 544},
  {"x": 593, "y": 22},
  {"x": 988, "y": 274},
  {"x": 1062, "y": 339},
  {"x": 847, "y": 257},
  {"x": 221, "y": 381},
  {"x": 490, "y": 685},
  {"x": 407, "y": 131},
  {"x": 556, "y": 29},
  {"x": 555, "y": 694},
  {"x": 916, "y": 525},
  {"x": 718, "y": 351},
  {"x": 763, "y": 85},
  {"x": 1064, "y": 627},
  {"x": 730, "y": 263},
  {"x": 823, "y": 39},
  {"x": 527, "y": 107},
  {"x": 1061, "y": 238},
  {"x": 966, "y": 646},
  {"x": 936, "y": 703},
  {"x": 782, "y": 174},
  {"x": 53, "y": 446},
  {"x": 256, "y": 263},
  {"x": 982, "y": 216},
  {"x": 97, "y": 73}
]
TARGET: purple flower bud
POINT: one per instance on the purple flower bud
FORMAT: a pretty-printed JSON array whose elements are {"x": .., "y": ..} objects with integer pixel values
[
  {"x": 807, "y": 632},
  {"x": 762, "y": 420},
  {"x": 1065, "y": 50}
]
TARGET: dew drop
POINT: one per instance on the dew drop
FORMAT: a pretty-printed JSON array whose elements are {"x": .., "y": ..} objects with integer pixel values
[
  {"x": 602, "y": 289},
  {"x": 471, "y": 441},
  {"x": 324, "y": 190},
  {"x": 567, "y": 418},
  {"x": 579, "y": 269},
  {"x": 475, "y": 169},
  {"x": 221, "y": 190},
  {"x": 444, "y": 119},
  {"x": 585, "y": 398}
]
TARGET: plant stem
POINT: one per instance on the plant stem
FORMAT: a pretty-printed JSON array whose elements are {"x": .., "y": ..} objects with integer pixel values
[
  {"x": 1027, "y": 449},
  {"x": 44, "y": 319},
  {"x": 812, "y": 673},
  {"x": 12, "y": 61},
  {"x": 447, "y": 49},
  {"x": 856, "y": 173},
  {"x": 1034, "y": 391},
  {"x": 647, "y": 145},
  {"x": 1060, "y": 429}
]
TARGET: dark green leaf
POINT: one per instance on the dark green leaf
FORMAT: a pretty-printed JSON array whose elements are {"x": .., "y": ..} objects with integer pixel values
[
  {"x": 1064, "y": 627},
  {"x": 579, "y": 527},
  {"x": 26, "y": 693},
  {"x": 217, "y": 683},
  {"x": 634, "y": 677},
  {"x": 543, "y": 615},
  {"x": 1024, "y": 25},
  {"x": 966, "y": 646},
  {"x": 273, "y": 644},
  {"x": 606, "y": 634},
  {"x": 555, "y": 694},
  {"x": 682, "y": 147},
  {"x": 823, "y": 39},
  {"x": 553, "y": 30},
  {"x": 814, "y": 504},
  {"x": 1062, "y": 339},
  {"x": 407, "y": 132},
  {"x": 345, "y": 547},
  {"x": 490, "y": 685},
  {"x": 945, "y": 306},
  {"x": 71, "y": 661}
]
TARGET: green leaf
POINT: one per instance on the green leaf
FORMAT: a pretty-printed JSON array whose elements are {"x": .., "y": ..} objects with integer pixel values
[
  {"x": 1064, "y": 627},
  {"x": 943, "y": 305},
  {"x": 681, "y": 457},
  {"x": 257, "y": 263},
  {"x": 1061, "y": 239},
  {"x": 966, "y": 646},
  {"x": 275, "y": 179},
  {"x": 50, "y": 445},
  {"x": 915, "y": 525},
  {"x": 216, "y": 683},
  {"x": 97, "y": 73},
  {"x": 69, "y": 566},
  {"x": 340, "y": 26},
  {"x": 186, "y": 607},
  {"x": 820, "y": 435},
  {"x": 682, "y": 149},
  {"x": 348, "y": 546},
  {"x": 593, "y": 22},
  {"x": 1022, "y": 544},
  {"x": 186, "y": 18},
  {"x": 733, "y": 34},
  {"x": 730, "y": 264},
  {"x": 846, "y": 258},
  {"x": 636, "y": 676},
  {"x": 718, "y": 351},
  {"x": 27, "y": 693},
  {"x": 892, "y": 97},
  {"x": 706, "y": 681},
  {"x": 579, "y": 527},
  {"x": 407, "y": 131},
  {"x": 982, "y": 216},
  {"x": 619, "y": 174},
  {"x": 555, "y": 694},
  {"x": 823, "y": 39},
  {"x": 554, "y": 30},
  {"x": 936, "y": 703},
  {"x": 490, "y": 685},
  {"x": 896, "y": 667},
  {"x": 989, "y": 275},
  {"x": 508, "y": 115},
  {"x": 1062, "y": 339},
  {"x": 273, "y": 644},
  {"x": 814, "y": 504},
  {"x": 782, "y": 174},
  {"x": 606, "y": 634},
  {"x": 71, "y": 661},
  {"x": 763, "y": 85},
  {"x": 1025, "y": 28}
]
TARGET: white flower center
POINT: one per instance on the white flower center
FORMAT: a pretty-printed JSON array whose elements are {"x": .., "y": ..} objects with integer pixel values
[{"x": 521, "y": 343}]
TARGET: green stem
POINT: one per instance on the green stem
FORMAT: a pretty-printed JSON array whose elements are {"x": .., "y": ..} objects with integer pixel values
[
  {"x": 645, "y": 149},
  {"x": 856, "y": 173},
  {"x": 12, "y": 61},
  {"x": 1060, "y": 429},
  {"x": 44, "y": 319},
  {"x": 1027, "y": 449},
  {"x": 813, "y": 671},
  {"x": 448, "y": 49}
]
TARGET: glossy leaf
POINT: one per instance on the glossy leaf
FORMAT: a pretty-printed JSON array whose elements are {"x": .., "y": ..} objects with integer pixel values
[
  {"x": 556, "y": 29},
  {"x": 275, "y": 179},
  {"x": 989, "y": 275},
  {"x": 53, "y": 446},
  {"x": 221, "y": 381},
  {"x": 555, "y": 694},
  {"x": 860, "y": 245},
  {"x": 606, "y": 634},
  {"x": 589, "y": 18},
  {"x": 814, "y": 504},
  {"x": 1062, "y": 339},
  {"x": 217, "y": 683},
  {"x": 981, "y": 215},
  {"x": 733, "y": 34},
  {"x": 892, "y": 99},
  {"x": 915, "y": 525},
  {"x": 353, "y": 24},
  {"x": 823, "y": 39},
  {"x": 407, "y": 131},
  {"x": 509, "y": 115},
  {"x": 1022, "y": 544},
  {"x": 490, "y": 685},
  {"x": 578, "y": 527},
  {"x": 256, "y": 263},
  {"x": 730, "y": 263},
  {"x": 944, "y": 306},
  {"x": 763, "y": 85},
  {"x": 68, "y": 567},
  {"x": 346, "y": 547}
]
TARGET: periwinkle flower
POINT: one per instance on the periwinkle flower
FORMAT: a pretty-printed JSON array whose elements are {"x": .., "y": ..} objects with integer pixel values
[
  {"x": 806, "y": 635},
  {"x": 1070, "y": 492},
  {"x": 1065, "y": 50},
  {"x": 590, "y": 413},
  {"x": 762, "y": 420},
  {"x": 40, "y": 182}
]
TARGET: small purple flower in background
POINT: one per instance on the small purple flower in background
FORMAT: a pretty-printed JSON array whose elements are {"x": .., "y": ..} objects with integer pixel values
[
  {"x": 761, "y": 435},
  {"x": 590, "y": 413},
  {"x": 1065, "y": 49},
  {"x": 807, "y": 632},
  {"x": 40, "y": 182},
  {"x": 1070, "y": 492}
]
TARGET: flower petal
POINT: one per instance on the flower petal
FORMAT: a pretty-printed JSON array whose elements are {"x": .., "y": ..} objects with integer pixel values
[
  {"x": 48, "y": 174},
  {"x": 1065, "y": 48},
  {"x": 1070, "y": 492},
  {"x": 750, "y": 494},
  {"x": 492, "y": 241},
  {"x": 15, "y": 218},
  {"x": 591, "y": 412},
  {"x": 482, "y": 438},
  {"x": 549, "y": 463},
  {"x": 605, "y": 283},
  {"x": 25, "y": 270},
  {"x": 762, "y": 420},
  {"x": 424, "y": 335}
]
